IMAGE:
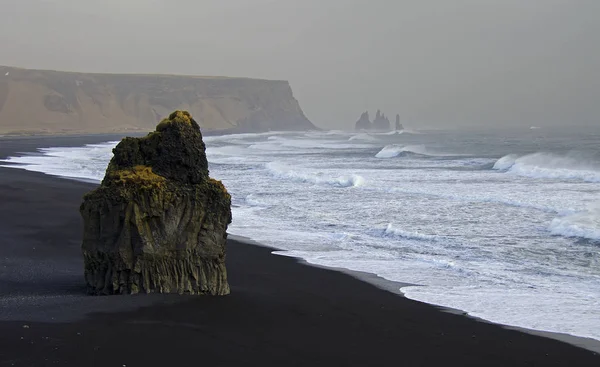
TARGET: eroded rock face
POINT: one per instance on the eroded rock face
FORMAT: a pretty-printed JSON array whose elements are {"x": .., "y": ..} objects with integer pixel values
[
  {"x": 363, "y": 123},
  {"x": 398, "y": 124},
  {"x": 46, "y": 101},
  {"x": 158, "y": 222},
  {"x": 381, "y": 122}
]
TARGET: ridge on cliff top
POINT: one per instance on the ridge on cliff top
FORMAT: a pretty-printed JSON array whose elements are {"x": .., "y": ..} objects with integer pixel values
[{"x": 57, "y": 102}]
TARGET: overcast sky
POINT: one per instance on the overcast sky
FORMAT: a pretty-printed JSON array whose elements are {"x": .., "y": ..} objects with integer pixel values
[{"x": 436, "y": 63}]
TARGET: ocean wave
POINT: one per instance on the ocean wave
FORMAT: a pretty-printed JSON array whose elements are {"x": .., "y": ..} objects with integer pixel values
[
  {"x": 87, "y": 163},
  {"x": 227, "y": 150},
  {"x": 484, "y": 198},
  {"x": 585, "y": 224},
  {"x": 391, "y": 151},
  {"x": 283, "y": 145},
  {"x": 251, "y": 200},
  {"x": 394, "y": 132},
  {"x": 282, "y": 171},
  {"x": 397, "y": 232},
  {"x": 363, "y": 137},
  {"x": 548, "y": 165},
  {"x": 229, "y": 137}
]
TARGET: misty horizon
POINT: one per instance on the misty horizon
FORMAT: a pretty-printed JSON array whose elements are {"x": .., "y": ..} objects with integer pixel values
[{"x": 468, "y": 63}]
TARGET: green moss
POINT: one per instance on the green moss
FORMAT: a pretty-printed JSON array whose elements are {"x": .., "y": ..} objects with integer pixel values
[
  {"x": 139, "y": 176},
  {"x": 182, "y": 117},
  {"x": 218, "y": 188}
]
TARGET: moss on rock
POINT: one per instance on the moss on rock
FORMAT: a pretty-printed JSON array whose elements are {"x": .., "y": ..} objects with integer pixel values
[
  {"x": 139, "y": 177},
  {"x": 158, "y": 223},
  {"x": 177, "y": 117}
]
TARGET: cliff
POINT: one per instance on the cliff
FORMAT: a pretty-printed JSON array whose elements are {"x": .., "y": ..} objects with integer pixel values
[
  {"x": 158, "y": 222},
  {"x": 54, "y": 102}
]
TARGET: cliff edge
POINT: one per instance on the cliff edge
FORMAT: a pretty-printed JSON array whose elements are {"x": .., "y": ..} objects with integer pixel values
[{"x": 56, "y": 102}]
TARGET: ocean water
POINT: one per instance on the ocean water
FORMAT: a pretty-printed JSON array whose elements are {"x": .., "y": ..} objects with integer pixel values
[{"x": 502, "y": 225}]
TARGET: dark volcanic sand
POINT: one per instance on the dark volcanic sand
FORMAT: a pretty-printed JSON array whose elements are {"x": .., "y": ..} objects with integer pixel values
[{"x": 280, "y": 312}]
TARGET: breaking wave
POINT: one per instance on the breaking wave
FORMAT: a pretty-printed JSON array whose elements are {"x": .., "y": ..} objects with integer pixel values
[
  {"x": 397, "y": 232},
  {"x": 363, "y": 137},
  {"x": 547, "y": 165},
  {"x": 585, "y": 224},
  {"x": 391, "y": 151},
  {"x": 87, "y": 163},
  {"x": 282, "y": 171},
  {"x": 229, "y": 138}
]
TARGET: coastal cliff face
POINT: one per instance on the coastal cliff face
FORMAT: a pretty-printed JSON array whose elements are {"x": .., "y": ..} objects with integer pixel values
[
  {"x": 158, "y": 222},
  {"x": 54, "y": 102}
]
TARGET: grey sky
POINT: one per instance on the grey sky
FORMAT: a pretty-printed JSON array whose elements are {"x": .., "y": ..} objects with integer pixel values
[{"x": 437, "y": 63}]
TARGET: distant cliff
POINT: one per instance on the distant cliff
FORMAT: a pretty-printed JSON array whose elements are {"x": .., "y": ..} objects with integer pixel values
[{"x": 54, "y": 102}]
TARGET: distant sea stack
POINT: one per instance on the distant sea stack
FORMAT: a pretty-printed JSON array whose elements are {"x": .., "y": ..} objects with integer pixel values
[
  {"x": 381, "y": 122},
  {"x": 158, "y": 222},
  {"x": 364, "y": 123},
  {"x": 399, "y": 126},
  {"x": 54, "y": 102}
]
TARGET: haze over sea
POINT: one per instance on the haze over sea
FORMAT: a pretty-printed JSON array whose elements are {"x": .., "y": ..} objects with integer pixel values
[{"x": 503, "y": 225}]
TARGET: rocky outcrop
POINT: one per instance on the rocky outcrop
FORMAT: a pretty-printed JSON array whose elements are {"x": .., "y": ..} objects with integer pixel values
[
  {"x": 157, "y": 223},
  {"x": 399, "y": 126},
  {"x": 363, "y": 123},
  {"x": 381, "y": 122},
  {"x": 53, "y": 102}
]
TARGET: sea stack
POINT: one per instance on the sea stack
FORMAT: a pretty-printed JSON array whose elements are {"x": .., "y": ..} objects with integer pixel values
[
  {"x": 399, "y": 126},
  {"x": 381, "y": 122},
  {"x": 363, "y": 123},
  {"x": 158, "y": 222}
]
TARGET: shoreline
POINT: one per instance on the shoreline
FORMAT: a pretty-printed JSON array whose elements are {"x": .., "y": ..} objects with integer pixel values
[
  {"x": 396, "y": 288},
  {"x": 14, "y": 181}
]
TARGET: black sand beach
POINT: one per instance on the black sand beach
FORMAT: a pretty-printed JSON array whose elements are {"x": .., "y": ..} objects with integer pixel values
[{"x": 280, "y": 312}]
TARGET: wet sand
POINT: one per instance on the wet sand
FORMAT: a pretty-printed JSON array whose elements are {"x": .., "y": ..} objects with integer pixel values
[{"x": 280, "y": 311}]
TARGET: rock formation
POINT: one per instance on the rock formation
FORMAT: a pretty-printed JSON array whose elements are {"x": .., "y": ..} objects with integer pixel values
[
  {"x": 157, "y": 223},
  {"x": 363, "y": 123},
  {"x": 381, "y": 122},
  {"x": 399, "y": 126},
  {"x": 55, "y": 102}
]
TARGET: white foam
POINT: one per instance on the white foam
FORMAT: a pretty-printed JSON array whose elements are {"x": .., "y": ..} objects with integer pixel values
[
  {"x": 584, "y": 224},
  {"x": 252, "y": 200},
  {"x": 282, "y": 145},
  {"x": 282, "y": 171},
  {"x": 519, "y": 306},
  {"x": 364, "y": 137},
  {"x": 393, "y": 132},
  {"x": 86, "y": 163},
  {"x": 506, "y": 162},
  {"x": 391, "y": 230},
  {"x": 412, "y": 132},
  {"x": 234, "y": 137},
  {"x": 391, "y": 151},
  {"x": 550, "y": 166},
  {"x": 473, "y": 239}
]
